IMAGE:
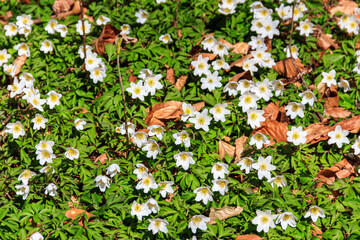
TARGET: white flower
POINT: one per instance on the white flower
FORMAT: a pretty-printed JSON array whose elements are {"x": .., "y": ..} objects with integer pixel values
[
  {"x": 209, "y": 43},
  {"x": 203, "y": 194},
  {"x": 293, "y": 52},
  {"x": 16, "y": 87},
  {"x": 165, "y": 187},
  {"x": 278, "y": 87},
  {"x": 264, "y": 220},
  {"x": 294, "y": 109},
  {"x": 285, "y": 219},
  {"x": 269, "y": 28},
  {"x": 219, "y": 170},
  {"x": 263, "y": 89},
  {"x": 231, "y": 88},
  {"x": 201, "y": 66},
  {"x": 246, "y": 164},
  {"x": 79, "y": 27},
  {"x": 46, "y": 169},
  {"x": 255, "y": 117},
  {"x": 220, "y": 185},
  {"x": 72, "y": 153},
  {"x": 10, "y": 69},
  {"x": 130, "y": 128},
  {"x": 344, "y": 84},
  {"x": 145, "y": 73},
  {"x": 23, "y": 49},
  {"x": 45, "y": 156},
  {"x": 284, "y": 12},
  {"x": 51, "y": 190},
  {"x": 139, "y": 210},
  {"x": 249, "y": 65},
  {"x": 307, "y": 97},
  {"x": 248, "y": 101},
  {"x": 88, "y": 49},
  {"x": 198, "y": 221},
  {"x": 51, "y": 26},
  {"x": 125, "y": 29},
  {"x": 16, "y": 129},
  {"x": 219, "y": 111},
  {"x": 152, "y": 148},
  {"x": 62, "y": 29},
  {"x": 36, "y": 101},
  {"x": 153, "y": 205},
  {"x": 257, "y": 42},
  {"x": 329, "y": 78},
  {"x": 201, "y": 120},
  {"x": 296, "y": 135},
  {"x": 36, "y": 236},
  {"x": 53, "y": 99},
  {"x": 102, "y": 182},
  {"x": 156, "y": 130},
  {"x": 220, "y": 64},
  {"x": 4, "y": 57},
  {"x": 146, "y": 183},
  {"x": 140, "y": 170},
  {"x": 227, "y": 10},
  {"x": 11, "y": 30},
  {"x": 189, "y": 111},
  {"x": 137, "y": 90},
  {"x": 97, "y": 74},
  {"x": 79, "y": 124},
  {"x": 305, "y": 27},
  {"x": 44, "y": 145},
  {"x": 278, "y": 180},
  {"x": 91, "y": 61},
  {"x": 25, "y": 176},
  {"x": 112, "y": 170},
  {"x": 166, "y": 38},
  {"x": 160, "y": 1},
  {"x": 28, "y": 79},
  {"x": 184, "y": 159},
  {"x": 220, "y": 49},
  {"x": 142, "y": 16},
  {"x": 211, "y": 81},
  {"x": 23, "y": 190},
  {"x": 26, "y": 30},
  {"x": 259, "y": 139},
  {"x": 102, "y": 20},
  {"x": 245, "y": 85},
  {"x": 314, "y": 212},
  {"x": 46, "y": 46},
  {"x": 140, "y": 138},
  {"x": 182, "y": 137},
  {"x": 353, "y": 25},
  {"x": 260, "y": 55},
  {"x": 152, "y": 82},
  {"x": 24, "y": 20},
  {"x": 338, "y": 136},
  {"x": 263, "y": 13},
  {"x": 264, "y": 167},
  {"x": 39, "y": 122},
  {"x": 158, "y": 224},
  {"x": 356, "y": 146}
]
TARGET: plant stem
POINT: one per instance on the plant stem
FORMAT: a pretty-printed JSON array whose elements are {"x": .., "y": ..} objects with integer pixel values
[
  {"x": 177, "y": 21},
  {"x": 83, "y": 27}
]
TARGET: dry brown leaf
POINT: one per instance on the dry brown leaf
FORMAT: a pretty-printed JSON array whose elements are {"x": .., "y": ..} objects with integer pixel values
[
  {"x": 76, "y": 9},
  {"x": 102, "y": 158},
  {"x": 239, "y": 63},
  {"x": 325, "y": 41},
  {"x": 226, "y": 43},
  {"x": 286, "y": 67},
  {"x": 248, "y": 237},
  {"x": 108, "y": 35},
  {"x": 268, "y": 44},
  {"x": 223, "y": 213},
  {"x": 60, "y": 6},
  {"x": 211, "y": 56},
  {"x": 239, "y": 147},
  {"x": 274, "y": 112},
  {"x": 344, "y": 6},
  {"x": 198, "y": 106},
  {"x": 316, "y": 231},
  {"x": 5, "y": 19},
  {"x": 337, "y": 112},
  {"x": 225, "y": 148},
  {"x": 352, "y": 124},
  {"x": 164, "y": 111},
  {"x": 317, "y": 132},
  {"x": 243, "y": 75},
  {"x": 241, "y": 48},
  {"x": 341, "y": 169},
  {"x": 180, "y": 82},
  {"x": 170, "y": 75},
  {"x": 73, "y": 200},
  {"x": 74, "y": 212},
  {"x": 19, "y": 61},
  {"x": 132, "y": 78},
  {"x": 274, "y": 129},
  {"x": 226, "y": 139}
]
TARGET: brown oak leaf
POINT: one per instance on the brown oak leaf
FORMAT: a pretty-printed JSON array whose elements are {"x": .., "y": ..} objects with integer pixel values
[
  {"x": 344, "y": 6},
  {"x": 243, "y": 75},
  {"x": 239, "y": 147},
  {"x": 223, "y": 213},
  {"x": 164, "y": 111},
  {"x": 286, "y": 67},
  {"x": 170, "y": 75},
  {"x": 225, "y": 148},
  {"x": 108, "y": 35},
  {"x": 341, "y": 169},
  {"x": 19, "y": 61},
  {"x": 180, "y": 82}
]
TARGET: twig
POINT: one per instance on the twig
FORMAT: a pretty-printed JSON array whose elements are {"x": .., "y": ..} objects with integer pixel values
[
  {"x": 177, "y": 21},
  {"x": 6, "y": 120},
  {"x": 118, "y": 45},
  {"x": 83, "y": 27},
  {"x": 289, "y": 47}
]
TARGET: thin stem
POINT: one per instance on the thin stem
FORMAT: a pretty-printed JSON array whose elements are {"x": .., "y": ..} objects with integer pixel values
[
  {"x": 118, "y": 44},
  {"x": 83, "y": 27},
  {"x": 177, "y": 22}
]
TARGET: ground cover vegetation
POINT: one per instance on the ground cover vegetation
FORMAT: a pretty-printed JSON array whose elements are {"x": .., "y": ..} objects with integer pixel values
[{"x": 159, "y": 119}]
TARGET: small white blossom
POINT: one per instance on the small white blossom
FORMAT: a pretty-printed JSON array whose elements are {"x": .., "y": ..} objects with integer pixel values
[
  {"x": 203, "y": 194},
  {"x": 51, "y": 190},
  {"x": 220, "y": 185},
  {"x": 157, "y": 225},
  {"x": 140, "y": 170},
  {"x": 81, "y": 30},
  {"x": 16, "y": 129},
  {"x": 259, "y": 139},
  {"x": 294, "y": 109},
  {"x": 338, "y": 136},
  {"x": 219, "y": 170},
  {"x": 142, "y": 16},
  {"x": 72, "y": 153},
  {"x": 25, "y": 176},
  {"x": 201, "y": 120},
  {"x": 22, "y": 190},
  {"x": 246, "y": 164},
  {"x": 285, "y": 219},
  {"x": 102, "y": 20},
  {"x": 278, "y": 180},
  {"x": 315, "y": 212},
  {"x": 146, "y": 183},
  {"x": 219, "y": 111},
  {"x": 198, "y": 221},
  {"x": 46, "y": 46},
  {"x": 139, "y": 210},
  {"x": 182, "y": 137},
  {"x": 264, "y": 167},
  {"x": 184, "y": 159},
  {"x": 102, "y": 182},
  {"x": 112, "y": 170},
  {"x": 165, "y": 187},
  {"x": 264, "y": 220},
  {"x": 79, "y": 124},
  {"x": 296, "y": 135}
]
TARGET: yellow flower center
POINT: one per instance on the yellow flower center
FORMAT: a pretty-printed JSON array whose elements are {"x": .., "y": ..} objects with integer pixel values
[
  {"x": 295, "y": 108},
  {"x": 286, "y": 217},
  {"x": 13, "y": 28},
  {"x": 71, "y": 152},
  {"x": 197, "y": 220},
  {"x": 221, "y": 184},
  {"x": 137, "y": 90},
  {"x": 247, "y": 162},
  {"x": 263, "y": 166},
  {"x": 52, "y": 24},
  {"x": 264, "y": 219},
  {"x": 314, "y": 211},
  {"x": 151, "y": 82},
  {"x": 23, "y": 47},
  {"x": 45, "y": 154},
  {"x": 232, "y": 85},
  {"x": 53, "y": 98},
  {"x": 204, "y": 191},
  {"x": 253, "y": 116},
  {"x": 296, "y": 135},
  {"x": 36, "y": 101},
  {"x": 306, "y": 26},
  {"x": 47, "y": 44},
  {"x": 144, "y": 15},
  {"x": 166, "y": 38},
  {"x": 146, "y": 181},
  {"x": 138, "y": 208},
  {"x": 38, "y": 120},
  {"x": 258, "y": 137},
  {"x": 153, "y": 147},
  {"x": 157, "y": 224},
  {"x": 183, "y": 136},
  {"x": 218, "y": 167},
  {"x": 17, "y": 128},
  {"x": 338, "y": 136},
  {"x": 142, "y": 169},
  {"x": 201, "y": 65},
  {"x": 218, "y": 110},
  {"x": 184, "y": 157},
  {"x": 2, "y": 57},
  {"x": 90, "y": 61},
  {"x": 201, "y": 120}
]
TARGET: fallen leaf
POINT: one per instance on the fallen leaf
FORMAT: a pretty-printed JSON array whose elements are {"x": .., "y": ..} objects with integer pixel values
[
  {"x": 108, "y": 35},
  {"x": 248, "y": 237},
  {"x": 5, "y": 19},
  {"x": 61, "y": 6},
  {"x": 19, "y": 61},
  {"x": 286, "y": 67},
  {"x": 102, "y": 158},
  {"x": 274, "y": 112},
  {"x": 226, "y": 139},
  {"x": 351, "y": 124},
  {"x": 268, "y": 44},
  {"x": 223, "y": 213},
  {"x": 164, "y": 111},
  {"x": 316, "y": 231},
  {"x": 239, "y": 147},
  {"x": 226, "y": 43},
  {"x": 198, "y": 106},
  {"x": 132, "y": 78},
  {"x": 243, "y": 75},
  {"x": 170, "y": 75},
  {"x": 241, "y": 48},
  {"x": 73, "y": 200},
  {"x": 324, "y": 41},
  {"x": 225, "y": 148},
  {"x": 74, "y": 212},
  {"x": 341, "y": 169},
  {"x": 344, "y": 6},
  {"x": 76, "y": 9},
  {"x": 337, "y": 112},
  {"x": 239, "y": 63},
  {"x": 211, "y": 56},
  {"x": 180, "y": 82},
  {"x": 274, "y": 129}
]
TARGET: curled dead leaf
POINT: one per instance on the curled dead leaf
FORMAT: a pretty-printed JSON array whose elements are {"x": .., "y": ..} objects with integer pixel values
[
  {"x": 344, "y": 6},
  {"x": 74, "y": 212},
  {"x": 341, "y": 169},
  {"x": 248, "y": 237},
  {"x": 60, "y": 6},
  {"x": 19, "y": 61},
  {"x": 223, "y": 213},
  {"x": 164, "y": 111},
  {"x": 274, "y": 112},
  {"x": 274, "y": 129},
  {"x": 198, "y": 106},
  {"x": 170, "y": 75},
  {"x": 132, "y": 78},
  {"x": 5, "y": 19},
  {"x": 243, "y": 75},
  {"x": 324, "y": 41},
  {"x": 108, "y": 35},
  {"x": 180, "y": 82},
  {"x": 239, "y": 147},
  {"x": 102, "y": 158},
  {"x": 239, "y": 63},
  {"x": 241, "y": 48},
  {"x": 203, "y": 37},
  {"x": 337, "y": 112},
  {"x": 225, "y": 148},
  {"x": 287, "y": 68},
  {"x": 76, "y": 9},
  {"x": 211, "y": 56}
]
